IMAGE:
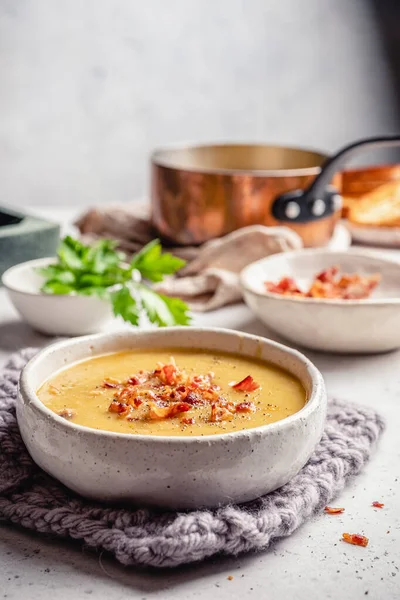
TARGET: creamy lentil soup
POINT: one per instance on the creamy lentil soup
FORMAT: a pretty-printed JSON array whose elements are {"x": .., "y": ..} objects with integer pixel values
[{"x": 173, "y": 392}]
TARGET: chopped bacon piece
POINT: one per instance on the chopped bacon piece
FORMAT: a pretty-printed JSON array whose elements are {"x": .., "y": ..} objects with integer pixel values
[
  {"x": 328, "y": 275},
  {"x": 179, "y": 407},
  {"x": 333, "y": 511},
  {"x": 133, "y": 380},
  {"x": 377, "y": 504},
  {"x": 169, "y": 374},
  {"x": 188, "y": 421},
  {"x": 222, "y": 411},
  {"x": 126, "y": 394},
  {"x": 246, "y": 385},
  {"x": 319, "y": 289},
  {"x": 192, "y": 399},
  {"x": 107, "y": 384},
  {"x": 246, "y": 407},
  {"x": 110, "y": 383},
  {"x": 286, "y": 285},
  {"x": 356, "y": 539},
  {"x": 157, "y": 412},
  {"x": 210, "y": 394},
  {"x": 118, "y": 407},
  {"x": 67, "y": 413},
  {"x": 167, "y": 412}
]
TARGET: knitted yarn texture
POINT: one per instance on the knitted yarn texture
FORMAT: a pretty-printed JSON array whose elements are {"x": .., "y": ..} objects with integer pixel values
[{"x": 31, "y": 499}]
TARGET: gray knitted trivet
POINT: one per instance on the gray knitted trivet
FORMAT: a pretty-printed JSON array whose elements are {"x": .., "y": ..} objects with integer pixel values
[{"x": 32, "y": 499}]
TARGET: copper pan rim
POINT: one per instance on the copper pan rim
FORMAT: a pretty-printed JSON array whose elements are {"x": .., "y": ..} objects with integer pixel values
[{"x": 164, "y": 157}]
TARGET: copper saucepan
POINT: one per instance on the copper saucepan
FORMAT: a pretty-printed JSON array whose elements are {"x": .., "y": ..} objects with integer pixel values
[{"x": 203, "y": 192}]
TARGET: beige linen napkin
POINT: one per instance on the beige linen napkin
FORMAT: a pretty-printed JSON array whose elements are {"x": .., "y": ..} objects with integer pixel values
[{"x": 211, "y": 277}]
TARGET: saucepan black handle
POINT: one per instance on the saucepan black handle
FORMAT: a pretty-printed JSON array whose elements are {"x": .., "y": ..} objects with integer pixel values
[{"x": 321, "y": 199}]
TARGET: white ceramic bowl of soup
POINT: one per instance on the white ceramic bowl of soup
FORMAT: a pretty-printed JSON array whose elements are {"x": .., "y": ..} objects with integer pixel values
[
  {"x": 171, "y": 471},
  {"x": 343, "y": 326}
]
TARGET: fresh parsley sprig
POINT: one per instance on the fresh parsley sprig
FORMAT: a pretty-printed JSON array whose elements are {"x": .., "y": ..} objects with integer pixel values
[{"x": 101, "y": 270}]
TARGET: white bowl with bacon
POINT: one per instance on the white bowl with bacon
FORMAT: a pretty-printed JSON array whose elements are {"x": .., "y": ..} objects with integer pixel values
[
  {"x": 343, "y": 302},
  {"x": 171, "y": 471}
]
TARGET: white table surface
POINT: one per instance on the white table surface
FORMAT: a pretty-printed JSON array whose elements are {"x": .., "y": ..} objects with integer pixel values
[{"x": 310, "y": 564}]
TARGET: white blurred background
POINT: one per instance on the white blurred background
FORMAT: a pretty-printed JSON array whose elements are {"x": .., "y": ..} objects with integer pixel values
[{"x": 90, "y": 87}]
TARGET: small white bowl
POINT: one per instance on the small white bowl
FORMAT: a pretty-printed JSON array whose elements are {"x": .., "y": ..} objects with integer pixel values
[
  {"x": 174, "y": 472},
  {"x": 374, "y": 236},
  {"x": 53, "y": 314},
  {"x": 345, "y": 326}
]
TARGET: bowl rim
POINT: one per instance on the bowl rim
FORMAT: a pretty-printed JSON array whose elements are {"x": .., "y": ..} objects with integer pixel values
[
  {"x": 25, "y": 389},
  {"x": 244, "y": 283},
  {"x": 372, "y": 228},
  {"x": 158, "y": 158},
  {"x": 20, "y": 267}
]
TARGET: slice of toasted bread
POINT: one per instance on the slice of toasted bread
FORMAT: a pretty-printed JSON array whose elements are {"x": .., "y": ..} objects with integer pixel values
[{"x": 378, "y": 208}]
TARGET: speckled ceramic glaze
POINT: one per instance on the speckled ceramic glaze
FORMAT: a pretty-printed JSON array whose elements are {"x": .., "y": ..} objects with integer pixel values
[
  {"x": 173, "y": 472},
  {"x": 346, "y": 326}
]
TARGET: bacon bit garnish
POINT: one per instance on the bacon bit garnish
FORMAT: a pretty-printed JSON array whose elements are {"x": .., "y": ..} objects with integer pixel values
[
  {"x": 188, "y": 421},
  {"x": 356, "y": 539},
  {"x": 169, "y": 374},
  {"x": 328, "y": 284},
  {"x": 157, "y": 412},
  {"x": 179, "y": 407},
  {"x": 193, "y": 399},
  {"x": 110, "y": 383},
  {"x": 333, "y": 511},
  {"x": 118, "y": 407},
  {"x": 223, "y": 411},
  {"x": 286, "y": 286},
  {"x": 126, "y": 395},
  {"x": 168, "y": 391},
  {"x": 377, "y": 504},
  {"x": 246, "y": 407},
  {"x": 210, "y": 394},
  {"x": 328, "y": 275},
  {"x": 167, "y": 412},
  {"x": 67, "y": 413},
  {"x": 246, "y": 385}
]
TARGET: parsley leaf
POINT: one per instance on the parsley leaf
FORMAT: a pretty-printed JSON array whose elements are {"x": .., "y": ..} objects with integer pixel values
[
  {"x": 72, "y": 253},
  {"x": 100, "y": 270},
  {"x": 125, "y": 305},
  {"x": 56, "y": 287},
  {"x": 102, "y": 256},
  {"x": 153, "y": 264},
  {"x": 57, "y": 273},
  {"x": 163, "y": 310},
  {"x": 101, "y": 292}
]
